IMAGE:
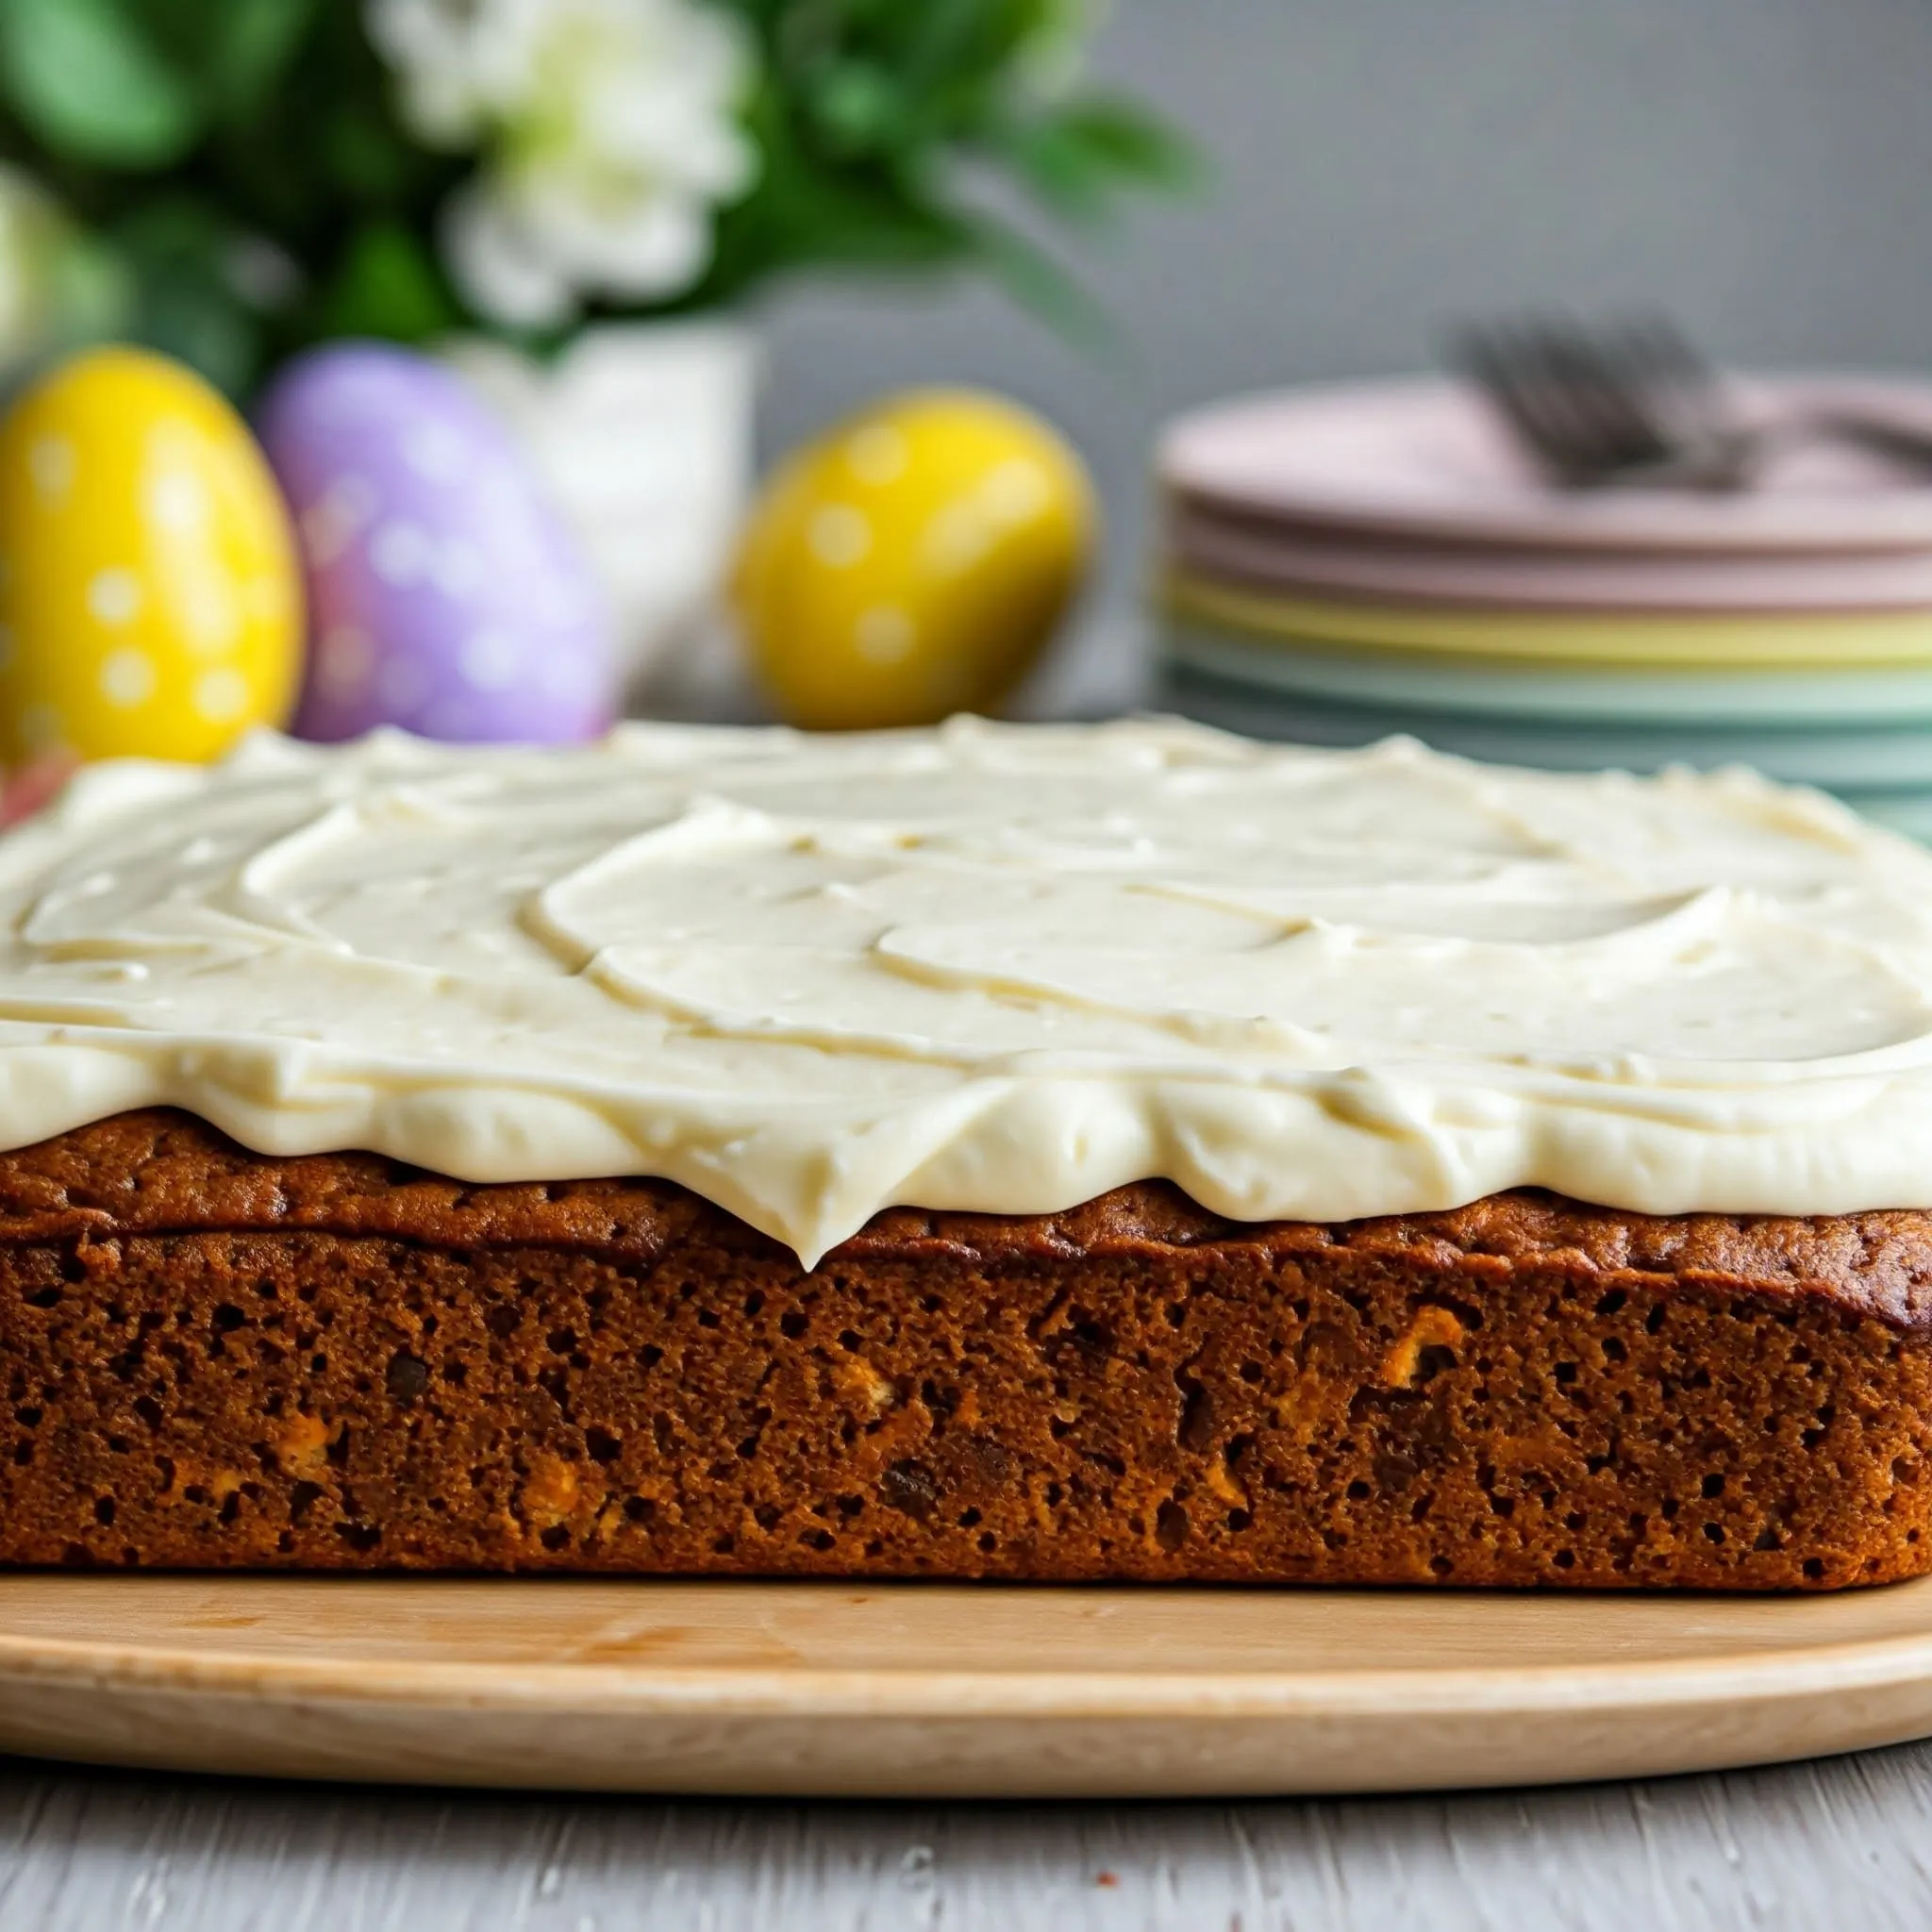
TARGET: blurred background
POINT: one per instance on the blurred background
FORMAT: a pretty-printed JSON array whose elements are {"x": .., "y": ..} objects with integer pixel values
[
  {"x": 492, "y": 368},
  {"x": 1379, "y": 167}
]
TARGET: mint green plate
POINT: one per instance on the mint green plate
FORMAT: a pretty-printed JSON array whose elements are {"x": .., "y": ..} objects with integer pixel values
[
  {"x": 1680, "y": 700},
  {"x": 1884, "y": 770}
]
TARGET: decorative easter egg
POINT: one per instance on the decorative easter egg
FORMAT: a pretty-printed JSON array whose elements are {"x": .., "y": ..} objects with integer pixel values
[
  {"x": 444, "y": 593},
  {"x": 913, "y": 563},
  {"x": 150, "y": 603}
]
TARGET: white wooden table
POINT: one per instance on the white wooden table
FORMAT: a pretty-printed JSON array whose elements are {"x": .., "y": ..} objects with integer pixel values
[{"x": 1843, "y": 1842}]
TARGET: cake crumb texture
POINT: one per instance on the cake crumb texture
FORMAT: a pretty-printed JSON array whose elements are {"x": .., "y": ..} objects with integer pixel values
[{"x": 215, "y": 1359}]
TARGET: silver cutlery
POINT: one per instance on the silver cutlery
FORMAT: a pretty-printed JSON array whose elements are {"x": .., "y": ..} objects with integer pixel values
[{"x": 1633, "y": 402}]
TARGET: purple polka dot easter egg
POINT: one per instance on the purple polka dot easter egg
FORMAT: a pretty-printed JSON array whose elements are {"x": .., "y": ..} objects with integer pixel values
[{"x": 445, "y": 594}]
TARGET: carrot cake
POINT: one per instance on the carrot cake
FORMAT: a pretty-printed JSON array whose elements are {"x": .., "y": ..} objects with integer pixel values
[{"x": 1075, "y": 1152}]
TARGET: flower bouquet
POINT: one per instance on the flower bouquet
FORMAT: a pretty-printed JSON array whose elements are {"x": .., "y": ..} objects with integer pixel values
[{"x": 230, "y": 182}]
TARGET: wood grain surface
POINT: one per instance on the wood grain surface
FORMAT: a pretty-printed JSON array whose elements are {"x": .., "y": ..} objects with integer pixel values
[
  {"x": 748, "y": 1689},
  {"x": 1840, "y": 1843}
]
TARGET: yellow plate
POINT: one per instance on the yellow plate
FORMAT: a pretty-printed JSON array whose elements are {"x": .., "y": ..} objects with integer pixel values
[
  {"x": 1828, "y": 643},
  {"x": 822, "y": 1690}
]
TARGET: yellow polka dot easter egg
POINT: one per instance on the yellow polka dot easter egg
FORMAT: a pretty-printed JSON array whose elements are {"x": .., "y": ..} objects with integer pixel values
[
  {"x": 913, "y": 563},
  {"x": 149, "y": 604}
]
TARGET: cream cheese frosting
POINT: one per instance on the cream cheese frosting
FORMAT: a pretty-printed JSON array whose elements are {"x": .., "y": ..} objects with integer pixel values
[{"x": 992, "y": 967}]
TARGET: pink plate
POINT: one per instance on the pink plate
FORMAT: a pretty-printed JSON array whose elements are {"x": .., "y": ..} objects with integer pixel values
[
  {"x": 1426, "y": 459},
  {"x": 1310, "y": 561}
]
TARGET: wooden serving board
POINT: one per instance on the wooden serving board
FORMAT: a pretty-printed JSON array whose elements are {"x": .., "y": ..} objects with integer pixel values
[{"x": 943, "y": 1690}]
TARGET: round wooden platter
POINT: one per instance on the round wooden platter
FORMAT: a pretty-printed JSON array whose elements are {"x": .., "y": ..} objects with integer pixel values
[{"x": 942, "y": 1690}]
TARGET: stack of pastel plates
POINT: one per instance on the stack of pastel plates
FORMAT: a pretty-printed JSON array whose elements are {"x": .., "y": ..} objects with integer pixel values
[{"x": 1342, "y": 564}]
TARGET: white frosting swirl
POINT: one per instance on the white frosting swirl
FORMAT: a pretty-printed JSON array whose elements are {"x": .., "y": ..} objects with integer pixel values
[{"x": 1002, "y": 968}]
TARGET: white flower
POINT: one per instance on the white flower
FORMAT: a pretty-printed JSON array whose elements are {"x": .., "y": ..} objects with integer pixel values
[{"x": 607, "y": 134}]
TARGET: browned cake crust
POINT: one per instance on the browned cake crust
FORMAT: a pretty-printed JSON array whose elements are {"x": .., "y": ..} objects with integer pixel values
[{"x": 215, "y": 1359}]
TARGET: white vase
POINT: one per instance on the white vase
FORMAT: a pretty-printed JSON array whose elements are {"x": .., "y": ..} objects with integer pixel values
[{"x": 643, "y": 434}]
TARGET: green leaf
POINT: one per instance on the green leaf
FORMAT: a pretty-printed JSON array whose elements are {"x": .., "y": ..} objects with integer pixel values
[
  {"x": 255, "y": 41},
  {"x": 94, "y": 292},
  {"x": 1065, "y": 171},
  {"x": 387, "y": 286},
  {"x": 955, "y": 38},
  {"x": 364, "y": 156},
  {"x": 232, "y": 50},
  {"x": 185, "y": 304},
  {"x": 1079, "y": 160},
  {"x": 858, "y": 108},
  {"x": 87, "y": 82},
  {"x": 1039, "y": 284},
  {"x": 1136, "y": 144}
]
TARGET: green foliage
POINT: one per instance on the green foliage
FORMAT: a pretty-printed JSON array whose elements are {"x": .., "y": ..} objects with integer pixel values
[
  {"x": 183, "y": 297},
  {"x": 92, "y": 87},
  {"x": 879, "y": 120},
  {"x": 387, "y": 284},
  {"x": 244, "y": 186}
]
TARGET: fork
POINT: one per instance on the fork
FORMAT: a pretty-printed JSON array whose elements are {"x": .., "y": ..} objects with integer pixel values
[{"x": 1633, "y": 402}]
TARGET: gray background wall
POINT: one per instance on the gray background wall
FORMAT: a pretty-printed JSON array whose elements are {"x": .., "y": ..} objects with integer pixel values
[{"x": 1764, "y": 167}]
